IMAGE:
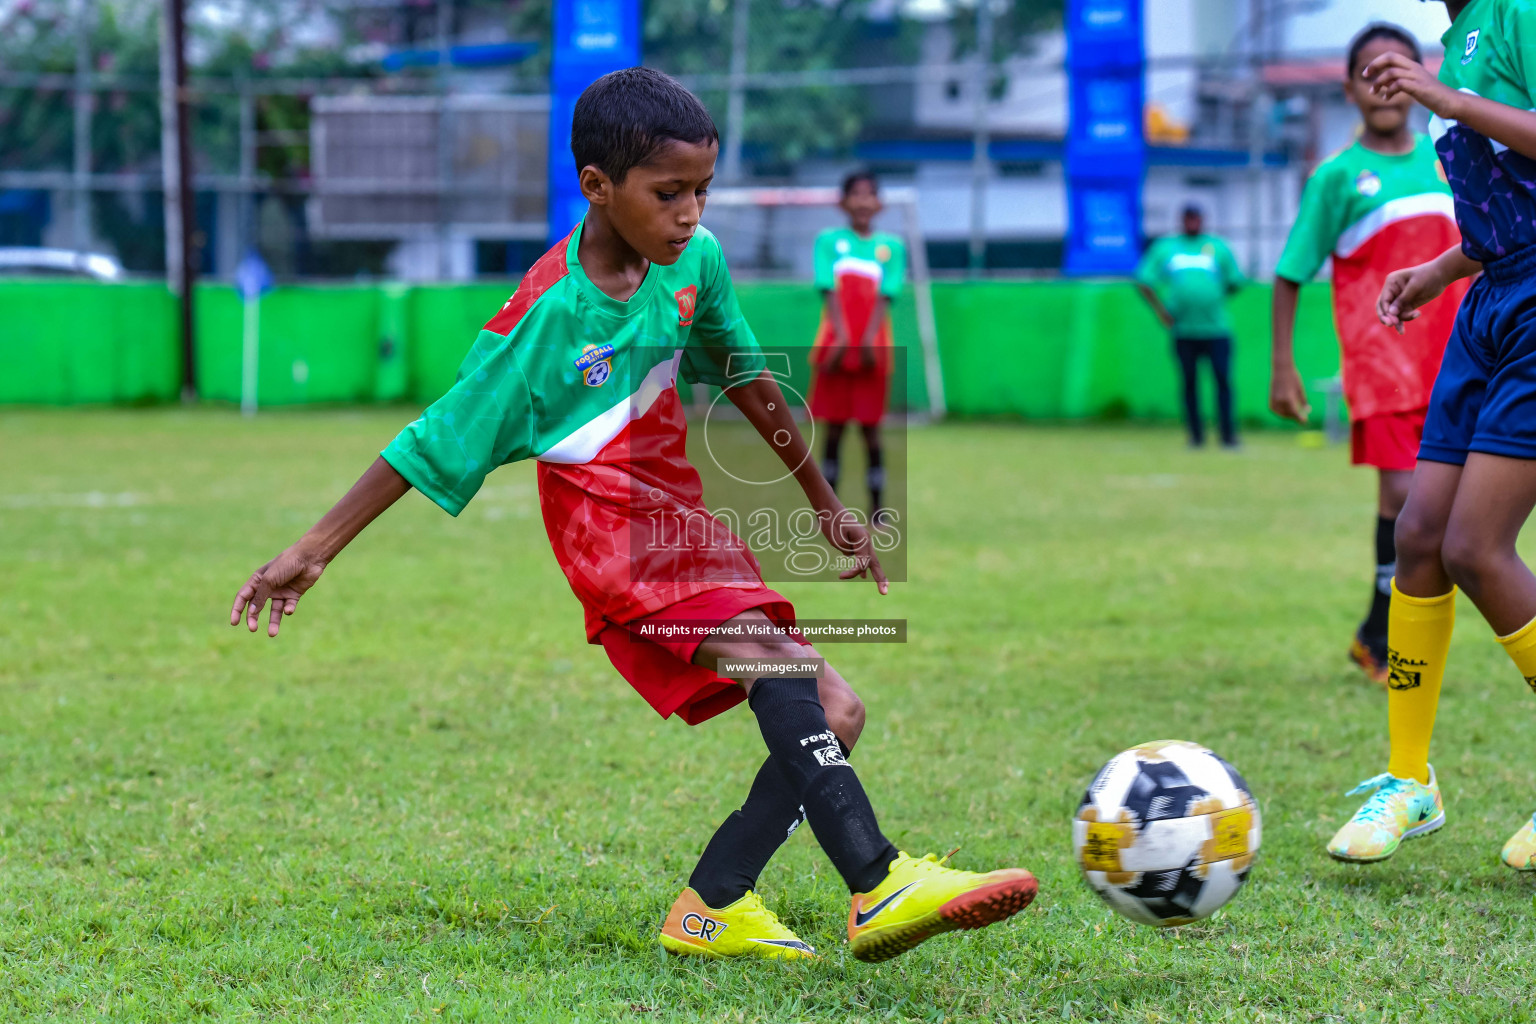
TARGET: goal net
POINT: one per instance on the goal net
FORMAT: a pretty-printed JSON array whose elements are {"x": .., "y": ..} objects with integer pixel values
[{"x": 769, "y": 235}]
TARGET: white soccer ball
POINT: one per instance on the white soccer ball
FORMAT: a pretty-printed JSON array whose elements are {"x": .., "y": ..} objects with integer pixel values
[{"x": 1166, "y": 833}]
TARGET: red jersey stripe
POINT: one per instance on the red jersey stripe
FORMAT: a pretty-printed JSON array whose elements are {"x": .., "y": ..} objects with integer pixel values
[{"x": 541, "y": 277}]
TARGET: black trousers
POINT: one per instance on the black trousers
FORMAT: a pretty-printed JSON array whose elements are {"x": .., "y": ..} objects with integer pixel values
[{"x": 1218, "y": 351}]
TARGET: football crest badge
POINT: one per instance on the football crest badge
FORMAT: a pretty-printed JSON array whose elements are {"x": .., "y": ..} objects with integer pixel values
[
  {"x": 1368, "y": 183},
  {"x": 595, "y": 365},
  {"x": 686, "y": 298}
]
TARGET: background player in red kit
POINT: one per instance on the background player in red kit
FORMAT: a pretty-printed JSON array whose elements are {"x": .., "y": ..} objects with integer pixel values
[
  {"x": 861, "y": 271},
  {"x": 1379, "y": 204}
]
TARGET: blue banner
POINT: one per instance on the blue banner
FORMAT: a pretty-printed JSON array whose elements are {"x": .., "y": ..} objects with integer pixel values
[
  {"x": 1106, "y": 143},
  {"x": 591, "y": 38}
]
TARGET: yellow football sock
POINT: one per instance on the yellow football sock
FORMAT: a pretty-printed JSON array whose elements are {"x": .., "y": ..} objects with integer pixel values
[
  {"x": 1521, "y": 648},
  {"x": 1418, "y": 638}
]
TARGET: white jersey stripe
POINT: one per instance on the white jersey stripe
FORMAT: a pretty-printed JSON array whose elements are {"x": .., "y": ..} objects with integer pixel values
[
  {"x": 582, "y": 444},
  {"x": 1425, "y": 204},
  {"x": 854, "y": 265}
]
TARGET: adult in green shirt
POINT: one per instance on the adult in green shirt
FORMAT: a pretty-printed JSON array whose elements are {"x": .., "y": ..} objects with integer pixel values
[{"x": 1186, "y": 279}]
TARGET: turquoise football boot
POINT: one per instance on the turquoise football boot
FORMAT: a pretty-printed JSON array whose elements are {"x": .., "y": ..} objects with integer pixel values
[{"x": 1399, "y": 809}]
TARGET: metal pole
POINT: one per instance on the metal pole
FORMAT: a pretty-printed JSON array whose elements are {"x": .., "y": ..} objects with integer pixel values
[
  {"x": 250, "y": 353},
  {"x": 1258, "y": 39},
  {"x": 81, "y": 205},
  {"x": 444, "y": 138},
  {"x": 927, "y": 326},
  {"x": 247, "y": 226},
  {"x": 980, "y": 136},
  {"x": 735, "y": 107},
  {"x": 176, "y": 155}
]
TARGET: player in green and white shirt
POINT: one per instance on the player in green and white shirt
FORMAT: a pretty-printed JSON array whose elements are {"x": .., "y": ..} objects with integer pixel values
[
  {"x": 1475, "y": 483},
  {"x": 860, "y": 271},
  {"x": 1186, "y": 279}
]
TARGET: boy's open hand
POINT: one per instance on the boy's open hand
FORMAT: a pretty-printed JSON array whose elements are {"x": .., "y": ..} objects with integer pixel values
[
  {"x": 1394, "y": 73},
  {"x": 282, "y": 580},
  {"x": 1405, "y": 291},
  {"x": 844, "y": 532}
]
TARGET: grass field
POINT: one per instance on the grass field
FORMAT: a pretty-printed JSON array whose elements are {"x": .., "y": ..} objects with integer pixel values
[{"x": 429, "y": 800}]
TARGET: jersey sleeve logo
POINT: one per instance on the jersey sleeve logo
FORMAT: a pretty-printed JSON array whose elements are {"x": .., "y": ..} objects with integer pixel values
[
  {"x": 1471, "y": 46},
  {"x": 687, "y": 298}
]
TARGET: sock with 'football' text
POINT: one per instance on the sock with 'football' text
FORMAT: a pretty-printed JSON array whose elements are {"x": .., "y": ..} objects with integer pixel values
[
  {"x": 802, "y": 745},
  {"x": 1418, "y": 639}
]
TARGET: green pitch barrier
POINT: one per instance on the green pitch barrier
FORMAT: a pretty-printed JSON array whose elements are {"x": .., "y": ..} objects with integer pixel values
[{"x": 1062, "y": 350}]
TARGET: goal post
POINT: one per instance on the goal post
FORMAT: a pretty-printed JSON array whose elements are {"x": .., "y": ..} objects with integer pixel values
[{"x": 768, "y": 234}]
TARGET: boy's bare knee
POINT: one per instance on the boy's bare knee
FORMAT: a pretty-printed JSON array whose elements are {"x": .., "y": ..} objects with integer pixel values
[
  {"x": 1468, "y": 561},
  {"x": 1418, "y": 540},
  {"x": 845, "y": 711}
]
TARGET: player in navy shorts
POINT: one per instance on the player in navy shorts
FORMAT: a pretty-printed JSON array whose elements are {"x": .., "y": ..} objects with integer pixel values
[{"x": 1475, "y": 483}]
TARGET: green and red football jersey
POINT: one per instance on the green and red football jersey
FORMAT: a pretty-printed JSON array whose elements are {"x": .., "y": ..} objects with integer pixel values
[
  {"x": 1193, "y": 275},
  {"x": 861, "y": 270},
  {"x": 587, "y": 386},
  {"x": 1375, "y": 213}
]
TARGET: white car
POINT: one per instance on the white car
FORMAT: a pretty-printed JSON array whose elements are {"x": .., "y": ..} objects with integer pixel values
[{"x": 65, "y": 262}]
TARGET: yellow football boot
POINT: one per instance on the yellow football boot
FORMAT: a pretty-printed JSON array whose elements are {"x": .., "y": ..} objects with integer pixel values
[
  {"x": 745, "y": 928},
  {"x": 922, "y": 898},
  {"x": 1520, "y": 852}
]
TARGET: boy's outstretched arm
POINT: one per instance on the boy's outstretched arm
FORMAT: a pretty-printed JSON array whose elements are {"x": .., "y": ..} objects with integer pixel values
[
  {"x": 1394, "y": 73},
  {"x": 764, "y": 406},
  {"x": 285, "y": 579},
  {"x": 1287, "y": 394}
]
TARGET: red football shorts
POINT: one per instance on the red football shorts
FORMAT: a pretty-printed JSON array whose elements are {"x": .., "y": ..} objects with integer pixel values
[
  {"x": 661, "y": 668},
  {"x": 840, "y": 396},
  {"x": 1389, "y": 441}
]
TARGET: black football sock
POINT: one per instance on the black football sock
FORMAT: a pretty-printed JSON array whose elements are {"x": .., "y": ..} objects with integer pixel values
[
  {"x": 875, "y": 478},
  {"x": 743, "y": 844},
  {"x": 829, "y": 467},
  {"x": 1373, "y": 631},
  {"x": 800, "y": 743}
]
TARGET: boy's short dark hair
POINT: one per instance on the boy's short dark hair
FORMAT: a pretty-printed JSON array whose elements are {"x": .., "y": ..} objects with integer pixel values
[
  {"x": 854, "y": 177},
  {"x": 623, "y": 118},
  {"x": 1381, "y": 30}
]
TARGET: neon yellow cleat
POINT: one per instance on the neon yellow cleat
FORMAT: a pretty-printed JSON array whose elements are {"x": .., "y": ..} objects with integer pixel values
[
  {"x": 745, "y": 928},
  {"x": 1520, "y": 852},
  {"x": 922, "y": 898}
]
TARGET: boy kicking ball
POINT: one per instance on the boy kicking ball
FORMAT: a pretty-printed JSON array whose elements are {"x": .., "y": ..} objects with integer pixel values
[
  {"x": 1475, "y": 483},
  {"x": 579, "y": 371}
]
